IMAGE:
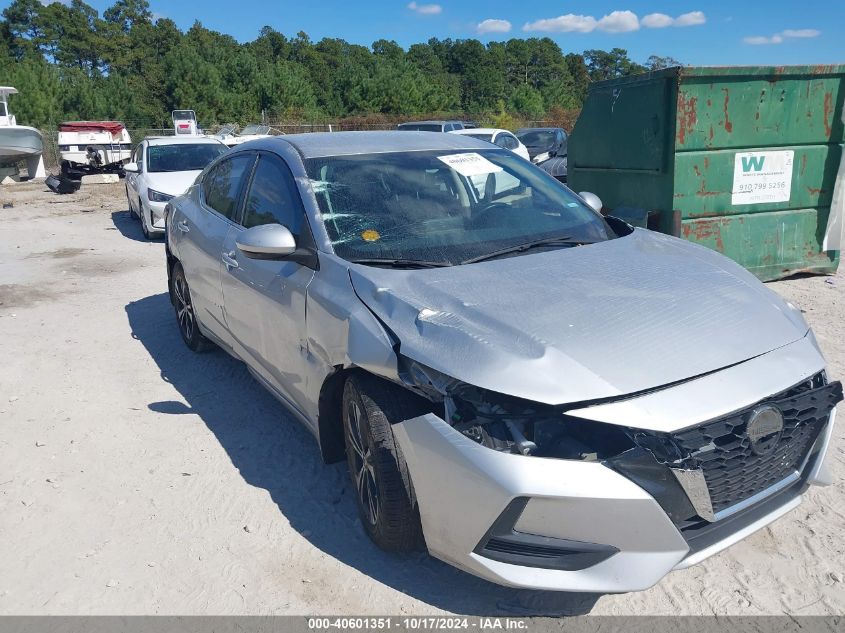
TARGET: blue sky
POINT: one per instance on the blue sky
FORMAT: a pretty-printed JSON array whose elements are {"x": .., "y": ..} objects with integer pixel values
[{"x": 707, "y": 32}]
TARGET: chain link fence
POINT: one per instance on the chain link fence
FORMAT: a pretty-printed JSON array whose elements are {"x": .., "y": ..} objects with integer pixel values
[{"x": 52, "y": 157}]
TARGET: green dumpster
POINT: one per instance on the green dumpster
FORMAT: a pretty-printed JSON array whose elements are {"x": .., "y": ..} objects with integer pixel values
[{"x": 743, "y": 160}]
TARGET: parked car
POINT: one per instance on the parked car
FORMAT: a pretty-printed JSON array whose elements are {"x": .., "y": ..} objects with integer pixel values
[
  {"x": 547, "y": 148},
  {"x": 502, "y": 138},
  {"x": 542, "y": 396},
  {"x": 431, "y": 126},
  {"x": 162, "y": 168}
]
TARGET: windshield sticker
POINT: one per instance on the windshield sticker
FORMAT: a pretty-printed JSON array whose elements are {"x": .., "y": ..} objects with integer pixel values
[
  {"x": 470, "y": 164},
  {"x": 370, "y": 235}
]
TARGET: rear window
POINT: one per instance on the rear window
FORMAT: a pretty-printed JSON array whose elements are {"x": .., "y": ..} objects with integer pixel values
[
  {"x": 182, "y": 156},
  {"x": 481, "y": 137},
  {"x": 421, "y": 127}
]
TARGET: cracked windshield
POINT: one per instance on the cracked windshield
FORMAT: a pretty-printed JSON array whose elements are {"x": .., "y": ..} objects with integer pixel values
[{"x": 445, "y": 207}]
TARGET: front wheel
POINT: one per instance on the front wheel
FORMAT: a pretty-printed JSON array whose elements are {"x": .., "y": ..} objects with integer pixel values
[
  {"x": 383, "y": 490},
  {"x": 132, "y": 213},
  {"x": 142, "y": 215},
  {"x": 185, "y": 315}
]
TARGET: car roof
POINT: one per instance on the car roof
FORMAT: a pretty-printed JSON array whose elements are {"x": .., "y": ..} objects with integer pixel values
[
  {"x": 540, "y": 129},
  {"x": 481, "y": 130},
  {"x": 441, "y": 122},
  {"x": 317, "y": 144},
  {"x": 180, "y": 140}
]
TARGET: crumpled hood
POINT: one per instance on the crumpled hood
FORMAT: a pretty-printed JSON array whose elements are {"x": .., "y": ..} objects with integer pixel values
[
  {"x": 174, "y": 183},
  {"x": 582, "y": 323}
]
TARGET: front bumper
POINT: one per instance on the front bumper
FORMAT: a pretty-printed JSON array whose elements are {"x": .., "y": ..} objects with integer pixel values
[
  {"x": 463, "y": 489},
  {"x": 156, "y": 216}
]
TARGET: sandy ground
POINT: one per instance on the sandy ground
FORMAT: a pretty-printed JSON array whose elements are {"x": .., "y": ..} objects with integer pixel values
[{"x": 138, "y": 478}]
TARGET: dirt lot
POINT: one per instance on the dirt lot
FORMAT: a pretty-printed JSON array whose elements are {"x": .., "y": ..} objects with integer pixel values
[{"x": 138, "y": 478}]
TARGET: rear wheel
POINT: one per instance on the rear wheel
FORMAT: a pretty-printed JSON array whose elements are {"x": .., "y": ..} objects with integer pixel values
[
  {"x": 383, "y": 490},
  {"x": 186, "y": 318}
]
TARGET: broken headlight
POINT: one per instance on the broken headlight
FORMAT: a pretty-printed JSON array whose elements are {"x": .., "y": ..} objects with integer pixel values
[{"x": 514, "y": 425}]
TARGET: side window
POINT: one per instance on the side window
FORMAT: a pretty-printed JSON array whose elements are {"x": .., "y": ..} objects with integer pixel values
[
  {"x": 501, "y": 141},
  {"x": 139, "y": 157},
  {"x": 273, "y": 197},
  {"x": 222, "y": 185}
]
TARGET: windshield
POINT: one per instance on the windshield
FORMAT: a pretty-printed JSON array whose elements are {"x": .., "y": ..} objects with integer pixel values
[
  {"x": 255, "y": 128},
  {"x": 481, "y": 137},
  {"x": 442, "y": 206},
  {"x": 181, "y": 115},
  {"x": 537, "y": 138},
  {"x": 182, "y": 156},
  {"x": 421, "y": 127}
]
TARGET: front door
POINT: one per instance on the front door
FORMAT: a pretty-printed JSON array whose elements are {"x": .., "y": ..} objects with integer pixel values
[
  {"x": 132, "y": 177},
  {"x": 264, "y": 300}
]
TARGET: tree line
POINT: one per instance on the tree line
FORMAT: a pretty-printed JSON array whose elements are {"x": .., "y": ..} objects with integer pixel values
[{"x": 69, "y": 62}]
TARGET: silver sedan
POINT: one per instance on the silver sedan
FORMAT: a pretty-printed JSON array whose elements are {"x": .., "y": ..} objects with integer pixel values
[{"x": 537, "y": 394}]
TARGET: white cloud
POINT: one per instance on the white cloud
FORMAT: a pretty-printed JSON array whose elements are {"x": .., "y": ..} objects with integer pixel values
[
  {"x": 780, "y": 38},
  {"x": 661, "y": 20},
  {"x": 425, "y": 9},
  {"x": 619, "y": 22},
  {"x": 614, "y": 22},
  {"x": 564, "y": 24},
  {"x": 801, "y": 33},
  {"x": 693, "y": 18},
  {"x": 493, "y": 26},
  {"x": 760, "y": 40},
  {"x": 657, "y": 21}
]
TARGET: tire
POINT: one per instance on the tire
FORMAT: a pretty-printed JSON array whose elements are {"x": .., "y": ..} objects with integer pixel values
[
  {"x": 132, "y": 213},
  {"x": 141, "y": 217},
  {"x": 186, "y": 319},
  {"x": 384, "y": 493}
]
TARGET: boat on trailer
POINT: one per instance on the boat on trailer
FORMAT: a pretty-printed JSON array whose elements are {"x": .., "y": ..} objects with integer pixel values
[
  {"x": 19, "y": 142},
  {"x": 93, "y": 147}
]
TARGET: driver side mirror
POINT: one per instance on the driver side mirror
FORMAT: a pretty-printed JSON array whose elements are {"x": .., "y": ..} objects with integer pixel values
[
  {"x": 131, "y": 167},
  {"x": 267, "y": 241},
  {"x": 592, "y": 200}
]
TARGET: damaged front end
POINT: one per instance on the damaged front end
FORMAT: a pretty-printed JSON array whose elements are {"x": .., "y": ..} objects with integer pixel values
[
  {"x": 701, "y": 488},
  {"x": 514, "y": 425}
]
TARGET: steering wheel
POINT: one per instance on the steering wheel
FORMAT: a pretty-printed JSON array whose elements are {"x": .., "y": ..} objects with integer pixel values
[{"x": 480, "y": 215}]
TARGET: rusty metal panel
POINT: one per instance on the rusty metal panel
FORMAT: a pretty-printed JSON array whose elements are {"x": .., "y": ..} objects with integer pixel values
[
  {"x": 688, "y": 145},
  {"x": 763, "y": 107},
  {"x": 771, "y": 245},
  {"x": 704, "y": 181}
]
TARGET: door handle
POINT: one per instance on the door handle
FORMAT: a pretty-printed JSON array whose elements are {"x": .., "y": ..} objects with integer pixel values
[
  {"x": 229, "y": 260},
  {"x": 182, "y": 226}
]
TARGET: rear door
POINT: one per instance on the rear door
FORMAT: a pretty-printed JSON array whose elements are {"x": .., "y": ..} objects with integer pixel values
[
  {"x": 204, "y": 226},
  {"x": 264, "y": 300}
]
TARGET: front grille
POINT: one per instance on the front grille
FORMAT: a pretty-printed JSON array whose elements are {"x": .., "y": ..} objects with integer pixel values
[{"x": 722, "y": 449}]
